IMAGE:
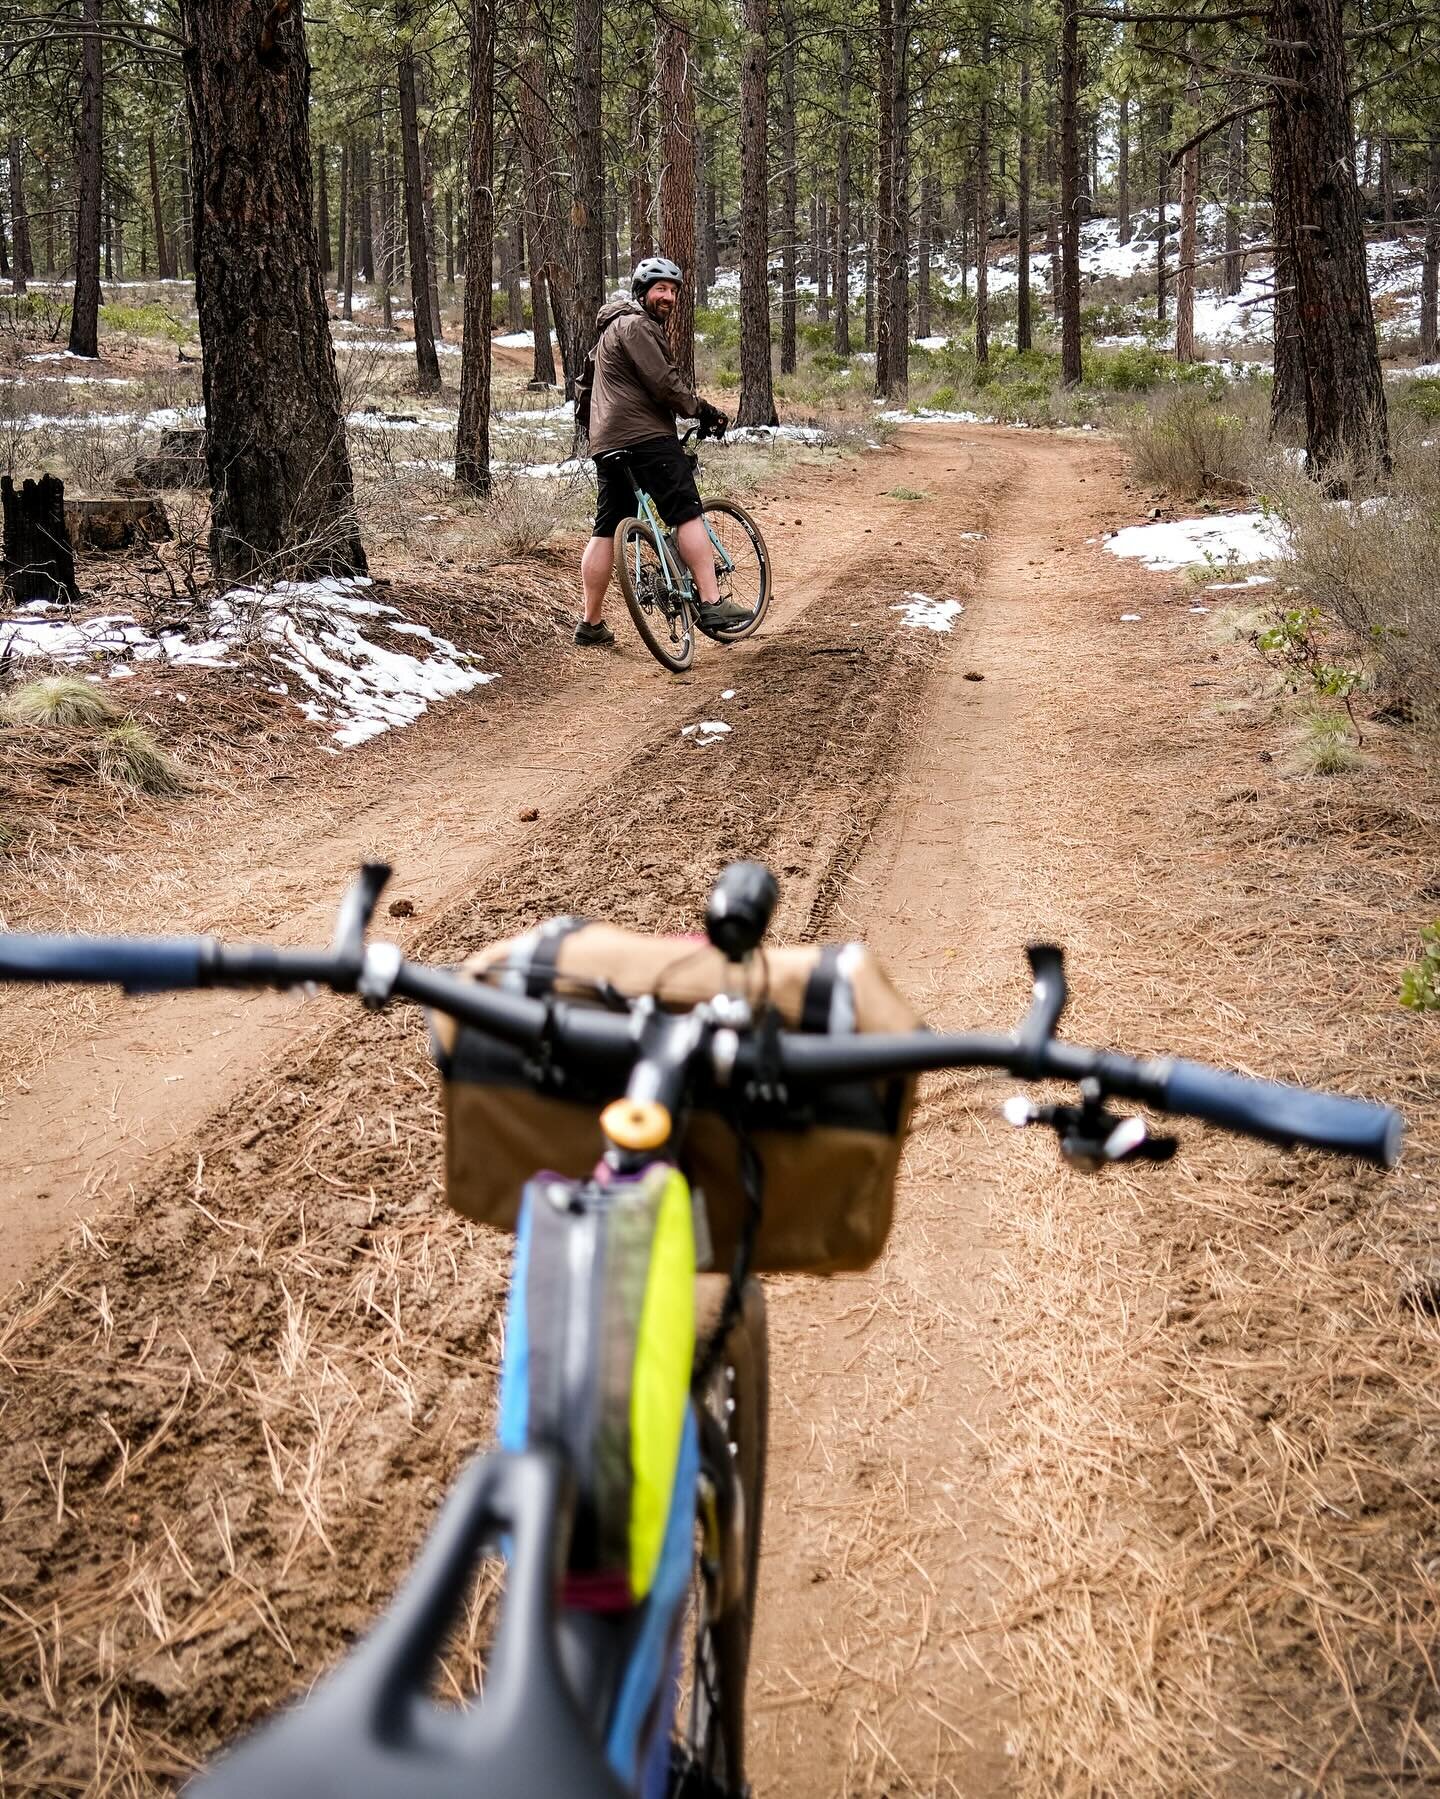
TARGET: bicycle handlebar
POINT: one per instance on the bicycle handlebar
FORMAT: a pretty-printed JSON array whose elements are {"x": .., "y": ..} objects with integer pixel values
[{"x": 1267, "y": 1110}]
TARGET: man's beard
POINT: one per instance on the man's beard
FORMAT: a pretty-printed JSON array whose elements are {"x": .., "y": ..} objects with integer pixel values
[{"x": 660, "y": 309}]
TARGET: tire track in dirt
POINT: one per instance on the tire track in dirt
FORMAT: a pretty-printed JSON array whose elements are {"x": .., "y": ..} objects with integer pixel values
[{"x": 233, "y": 1408}]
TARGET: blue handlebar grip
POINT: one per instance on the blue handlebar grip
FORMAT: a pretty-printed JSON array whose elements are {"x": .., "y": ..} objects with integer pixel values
[
  {"x": 1286, "y": 1115},
  {"x": 138, "y": 964}
]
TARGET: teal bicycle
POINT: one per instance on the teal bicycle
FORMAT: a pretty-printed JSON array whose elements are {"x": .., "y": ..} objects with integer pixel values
[{"x": 658, "y": 587}]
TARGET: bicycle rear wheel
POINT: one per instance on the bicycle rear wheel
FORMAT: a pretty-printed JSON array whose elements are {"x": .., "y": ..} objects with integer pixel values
[
  {"x": 710, "y": 1753},
  {"x": 742, "y": 565},
  {"x": 662, "y": 616}
]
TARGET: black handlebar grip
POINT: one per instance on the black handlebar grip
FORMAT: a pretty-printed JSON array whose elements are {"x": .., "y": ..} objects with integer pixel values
[
  {"x": 138, "y": 964},
  {"x": 740, "y": 908},
  {"x": 1286, "y": 1115}
]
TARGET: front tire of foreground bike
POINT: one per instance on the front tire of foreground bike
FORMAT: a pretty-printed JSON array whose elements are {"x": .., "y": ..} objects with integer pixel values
[
  {"x": 748, "y": 582},
  {"x": 710, "y": 1761},
  {"x": 661, "y": 615}
]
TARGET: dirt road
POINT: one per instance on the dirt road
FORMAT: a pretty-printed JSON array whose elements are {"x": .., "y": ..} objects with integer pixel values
[{"x": 233, "y": 1402}]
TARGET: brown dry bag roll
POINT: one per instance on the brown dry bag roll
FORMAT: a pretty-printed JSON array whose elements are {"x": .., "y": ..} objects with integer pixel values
[{"x": 830, "y": 1165}]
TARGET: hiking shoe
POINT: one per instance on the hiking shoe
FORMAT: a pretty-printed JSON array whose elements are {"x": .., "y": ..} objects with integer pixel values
[
  {"x": 724, "y": 613},
  {"x": 599, "y": 632}
]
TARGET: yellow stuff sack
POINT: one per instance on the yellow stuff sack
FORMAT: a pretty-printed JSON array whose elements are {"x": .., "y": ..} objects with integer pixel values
[{"x": 829, "y": 1169}]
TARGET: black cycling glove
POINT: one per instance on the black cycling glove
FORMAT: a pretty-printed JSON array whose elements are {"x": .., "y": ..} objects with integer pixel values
[{"x": 713, "y": 422}]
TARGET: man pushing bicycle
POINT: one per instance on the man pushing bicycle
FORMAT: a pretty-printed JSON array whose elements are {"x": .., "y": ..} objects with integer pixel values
[{"x": 628, "y": 397}]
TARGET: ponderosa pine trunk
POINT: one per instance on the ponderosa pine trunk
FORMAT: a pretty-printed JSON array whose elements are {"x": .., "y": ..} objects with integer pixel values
[
  {"x": 1189, "y": 234},
  {"x": 1233, "y": 274},
  {"x": 1162, "y": 201},
  {"x": 1024, "y": 326},
  {"x": 702, "y": 201},
  {"x": 322, "y": 206},
  {"x": 1122, "y": 174},
  {"x": 21, "y": 264},
  {"x": 1287, "y": 392},
  {"x": 588, "y": 212},
  {"x": 1070, "y": 364},
  {"x": 472, "y": 435},
  {"x": 549, "y": 247},
  {"x": 898, "y": 287},
  {"x": 365, "y": 208},
  {"x": 281, "y": 491},
  {"x": 757, "y": 393},
  {"x": 883, "y": 211},
  {"x": 85, "y": 312},
  {"x": 1430, "y": 263},
  {"x": 788, "y": 302},
  {"x": 1345, "y": 413},
  {"x": 342, "y": 254},
  {"x": 822, "y": 258},
  {"x": 922, "y": 256},
  {"x": 842, "y": 209},
  {"x": 642, "y": 234},
  {"x": 427, "y": 362},
  {"x": 677, "y": 179},
  {"x": 543, "y": 369},
  {"x": 982, "y": 218}
]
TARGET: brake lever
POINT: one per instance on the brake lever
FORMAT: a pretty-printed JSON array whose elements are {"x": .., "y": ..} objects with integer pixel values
[{"x": 1090, "y": 1136}]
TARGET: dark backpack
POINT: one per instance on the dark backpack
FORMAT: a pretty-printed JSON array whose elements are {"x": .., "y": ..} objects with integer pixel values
[{"x": 585, "y": 384}]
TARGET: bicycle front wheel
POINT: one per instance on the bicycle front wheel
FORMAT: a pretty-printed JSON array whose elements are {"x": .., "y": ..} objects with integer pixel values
[
  {"x": 742, "y": 564},
  {"x": 661, "y": 614},
  {"x": 710, "y": 1756}
]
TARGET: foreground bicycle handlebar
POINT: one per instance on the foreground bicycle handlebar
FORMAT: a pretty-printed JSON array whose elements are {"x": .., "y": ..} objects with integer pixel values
[{"x": 609, "y": 1041}]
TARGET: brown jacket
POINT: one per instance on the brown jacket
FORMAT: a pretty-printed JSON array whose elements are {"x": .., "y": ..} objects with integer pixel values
[{"x": 637, "y": 392}]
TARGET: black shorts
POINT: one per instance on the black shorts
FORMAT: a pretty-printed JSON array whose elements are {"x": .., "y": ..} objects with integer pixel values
[{"x": 665, "y": 472}]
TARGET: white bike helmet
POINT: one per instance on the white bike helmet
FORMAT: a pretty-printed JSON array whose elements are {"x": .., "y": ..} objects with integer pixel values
[{"x": 651, "y": 270}]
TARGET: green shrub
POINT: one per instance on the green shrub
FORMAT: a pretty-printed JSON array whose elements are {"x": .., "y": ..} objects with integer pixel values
[
  {"x": 61, "y": 700},
  {"x": 1191, "y": 447},
  {"x": 942, "y": 400},
  {"x": 1420, "y": 983},
  {"x": 151, "y": 320},
  {"x": 719, "y": 326},
  {"x": 727, "y": 378},
  {"x": 830, "y": 362},
  {"x": 818, "y": 337},
  {"x": 1422, "y": 396},
  {"x": 1129, "y": 370}
]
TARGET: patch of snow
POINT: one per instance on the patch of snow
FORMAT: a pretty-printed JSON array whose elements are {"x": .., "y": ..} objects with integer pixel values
[
  {"x": 729, "y": 694},
  {"x": 68, "y": 381},
  {"x": 1227, "y": 538},
  {"x": 1239, "y": 586},
  {"x": 929, "y": 343},
  {"x": 709, "y": 730},
  {"x": 310, "y": 628},
  {"x": 1129, "y": 618},
  {"x": 800, "y": 434},
  {"x": 922, "y": 613},
  {"x": 924, "y": 415},
  {"x": 393, "y": 346}
]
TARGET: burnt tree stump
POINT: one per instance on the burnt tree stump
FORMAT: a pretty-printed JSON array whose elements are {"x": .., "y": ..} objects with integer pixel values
[{"x": 39, "y": 563}]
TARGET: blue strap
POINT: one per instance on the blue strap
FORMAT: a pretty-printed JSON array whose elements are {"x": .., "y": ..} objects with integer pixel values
[{"x": 629, "y": 1747}]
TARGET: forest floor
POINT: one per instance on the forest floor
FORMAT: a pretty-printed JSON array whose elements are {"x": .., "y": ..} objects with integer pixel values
[{"x": 1121, "y": 1486}]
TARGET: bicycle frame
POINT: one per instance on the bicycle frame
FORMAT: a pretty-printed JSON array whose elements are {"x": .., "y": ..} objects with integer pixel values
[
  {"x": 619, "y": 1660},
  {"x": 677, "y": 573}
]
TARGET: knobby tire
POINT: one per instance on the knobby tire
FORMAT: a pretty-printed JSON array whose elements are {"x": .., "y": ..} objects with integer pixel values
[{"x": 661, "y": 615}]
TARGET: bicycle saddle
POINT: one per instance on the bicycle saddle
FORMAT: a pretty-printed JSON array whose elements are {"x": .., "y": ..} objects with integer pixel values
[{"x": 372, "y": 1731}]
